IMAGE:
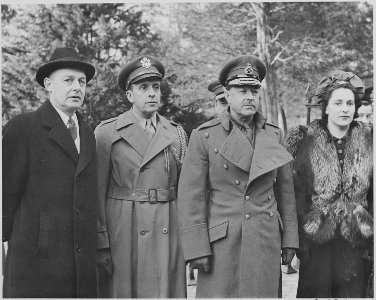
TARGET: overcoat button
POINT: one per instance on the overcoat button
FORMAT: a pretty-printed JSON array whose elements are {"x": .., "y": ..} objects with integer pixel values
[
  {"x": 225, "y": 166},
  {"x": 269, "y": 197},
  {"x": 215, "y": 150},
  {"x": 237, "y": 182},
  {"x": 247, "y": 216},
  {"x": 77, "y": 211},
  {"x": 206, "y": 134},
  {"x": 274, "y": 180},
  {"x": 271, "y": 214},
  {"x": 276, "y": 131},
  {"x": 247, "y": 197},
  {"x": 164, "y": 230},
  {"x": 142, "y": 232}
]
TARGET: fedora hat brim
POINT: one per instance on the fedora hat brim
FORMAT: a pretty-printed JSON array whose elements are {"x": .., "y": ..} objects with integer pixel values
[{"x": 46, "y": 69}]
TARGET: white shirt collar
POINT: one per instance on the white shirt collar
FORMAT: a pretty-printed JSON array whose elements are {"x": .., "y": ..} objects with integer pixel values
[{"x": 65, "y": 117}]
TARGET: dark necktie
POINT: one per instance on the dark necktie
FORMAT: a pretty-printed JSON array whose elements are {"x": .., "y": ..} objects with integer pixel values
[{"x": 72, "y": 128}]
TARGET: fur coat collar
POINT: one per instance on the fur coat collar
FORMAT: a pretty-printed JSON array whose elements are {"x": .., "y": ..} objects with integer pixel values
[{"x": 335, "y": 199}]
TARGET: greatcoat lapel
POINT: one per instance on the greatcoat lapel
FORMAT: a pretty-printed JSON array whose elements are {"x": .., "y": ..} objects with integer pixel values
[
  {"x": 162, "y": 138},
  {"x": 86, "y": 144},
  {"x": 58, "y": 131},
  {"x": 268, "y": 155},
  {"x": 132, "y": 133},
  {"x": 237, "y": 150}
]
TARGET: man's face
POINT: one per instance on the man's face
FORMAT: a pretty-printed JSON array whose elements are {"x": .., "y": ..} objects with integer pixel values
[
  {"x": 243, "y": 101},
  {"x": 145, "y": 97},
  {"x": 220, "y": 105},
  {"x": 67, "y": 89},
  {"x": 365, "y": 114}
]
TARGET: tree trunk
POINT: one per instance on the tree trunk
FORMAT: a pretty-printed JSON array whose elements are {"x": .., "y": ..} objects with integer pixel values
[{"x": 269, "y": 103}]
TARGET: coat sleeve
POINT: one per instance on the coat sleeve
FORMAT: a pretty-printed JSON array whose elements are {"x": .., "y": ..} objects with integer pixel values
[
  {"x": 294, "y": 144},
  {"x": 103, "y": 152},
  {"x": 15, "y": 169},
  {"x": 192, "y": 200},
  {"x": 285, "y": 196}
]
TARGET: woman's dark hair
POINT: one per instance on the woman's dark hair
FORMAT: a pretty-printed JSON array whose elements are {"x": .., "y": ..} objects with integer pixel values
[{"x": 329, "y": 91}]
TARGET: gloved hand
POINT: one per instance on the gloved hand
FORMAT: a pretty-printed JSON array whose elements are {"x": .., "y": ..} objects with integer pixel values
[
  {"x": 287, "y": 255},
  {"x": 104, "y": 261},
  {"x": 304, "y": 252},
  {"x": 201, "y": 263}
]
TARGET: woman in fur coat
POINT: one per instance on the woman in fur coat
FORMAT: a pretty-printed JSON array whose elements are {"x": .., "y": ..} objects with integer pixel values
[{"x": 332, "y": 175}]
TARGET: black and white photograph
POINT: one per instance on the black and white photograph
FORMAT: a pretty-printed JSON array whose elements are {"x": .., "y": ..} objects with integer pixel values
[{"x": 187, "y": 149}]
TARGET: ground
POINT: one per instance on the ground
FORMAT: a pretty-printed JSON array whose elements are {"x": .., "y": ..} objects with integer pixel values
[{"x": 289, "y": 282}]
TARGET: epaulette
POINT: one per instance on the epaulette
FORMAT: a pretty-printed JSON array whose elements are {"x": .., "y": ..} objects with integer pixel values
[
  {"x": 107, "y": 121},
  {"x": 209, "y": 123},
  {"x": 271, "y": 124}
]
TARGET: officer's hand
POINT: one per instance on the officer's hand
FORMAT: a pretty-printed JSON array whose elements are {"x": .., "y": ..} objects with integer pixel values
[
  {"x": 104, "y": 261},
  {"x": 287, "y": 255},
  {"x": 201, "y": 263}
]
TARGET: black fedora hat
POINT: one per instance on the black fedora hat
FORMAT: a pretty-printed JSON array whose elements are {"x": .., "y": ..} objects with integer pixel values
[{"x": 64, "y": 57}]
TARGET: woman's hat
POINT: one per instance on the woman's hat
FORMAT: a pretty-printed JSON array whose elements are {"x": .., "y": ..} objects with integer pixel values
[
  {"x": 64, "y": 57},
  {"x": 338, "y": 78}
]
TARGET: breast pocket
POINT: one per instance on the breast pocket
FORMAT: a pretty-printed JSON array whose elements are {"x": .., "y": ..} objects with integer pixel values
[{"x": 44, "y": 235}]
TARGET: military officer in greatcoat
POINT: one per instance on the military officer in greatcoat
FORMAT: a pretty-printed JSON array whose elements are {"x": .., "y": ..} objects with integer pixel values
[
  {"x": 139, "y": 156},
  {"x": 235, "y": 237},
  {"x": 220, "y": 102}
]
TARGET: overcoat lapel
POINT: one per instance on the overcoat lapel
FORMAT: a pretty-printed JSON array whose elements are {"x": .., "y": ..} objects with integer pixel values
[
  {"x": 129, "y": 130},
  {"x": 161, "y": 140},
  {"x": 268, "y": 155},
  {"x": 58, "y": 131},
  {"x": 86, "y": 145},
  {"x": 237, "y": 150}
]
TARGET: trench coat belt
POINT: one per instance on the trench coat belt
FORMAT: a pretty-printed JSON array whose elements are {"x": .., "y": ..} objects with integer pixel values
[{"x": 142, "y": 195}]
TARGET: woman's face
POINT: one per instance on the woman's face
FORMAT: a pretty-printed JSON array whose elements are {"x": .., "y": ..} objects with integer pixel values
[{"x": 341, "y": 107}]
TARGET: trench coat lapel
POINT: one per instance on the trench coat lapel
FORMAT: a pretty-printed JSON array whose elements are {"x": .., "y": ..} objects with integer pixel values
[
  {"x": 86, "y": 144},
  {"x": 163, "y": 137},
  {"x": 268, "y": 155},
  {"x": 58, "y": 131},
  {"x": 129, "y": 130},
  {"x": 237, "y": 150}
]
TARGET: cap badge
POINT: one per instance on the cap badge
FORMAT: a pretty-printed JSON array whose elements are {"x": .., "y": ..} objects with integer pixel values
[
  {"x": 248, "y": 69},
  {"x": 145, "y": 63}
]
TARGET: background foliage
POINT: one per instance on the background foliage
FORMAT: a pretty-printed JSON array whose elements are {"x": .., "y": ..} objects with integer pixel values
[{"x": 299, "y": 41}]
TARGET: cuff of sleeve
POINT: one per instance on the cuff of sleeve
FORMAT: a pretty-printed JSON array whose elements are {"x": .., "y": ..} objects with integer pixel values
[
  {"x": 102, "y": 240},
  {"x": 290, "y": 237},
  {"x": 195, "y": 241}
]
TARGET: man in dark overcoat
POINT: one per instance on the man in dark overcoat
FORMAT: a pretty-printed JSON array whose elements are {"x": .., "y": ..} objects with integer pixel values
[
  {"x": 49, "y": 189},
  {"x": 235, "y": 237}
]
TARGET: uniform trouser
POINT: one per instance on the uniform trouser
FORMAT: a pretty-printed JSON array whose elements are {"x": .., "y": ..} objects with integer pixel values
[{"x": 335, "y": 270}]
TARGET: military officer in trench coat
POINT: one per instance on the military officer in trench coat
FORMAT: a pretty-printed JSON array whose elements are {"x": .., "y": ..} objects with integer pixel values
[
  {"x": 139, "y": 155},
  {"x": 49, "y": 189},
  {"x": 235, "y": 237},
  {"x": 220, "y": 102}
]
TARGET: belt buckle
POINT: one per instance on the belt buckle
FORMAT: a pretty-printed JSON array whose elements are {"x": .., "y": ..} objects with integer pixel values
[{"x": 150, "y": 194}]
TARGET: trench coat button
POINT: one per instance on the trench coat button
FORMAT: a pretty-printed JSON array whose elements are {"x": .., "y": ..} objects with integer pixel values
[
  {"x": 237, "y": 182},
  {"x": 269, "y": 197},
  {"x": 247, "y": 197},
  {"x": 215, "y": 150},
  {"x": 276, "y": 131},
  {"x": 77, "y": 212},
  {"x": 206, "y": 134},
  {"x": 225, "y": 166},
  {"x": 247, "y": 216},
  {"x": 165, "y": 230},
  {"x": 274, "y": 180},
  {"x": 78, "y": 249},
  {"x": 142, "y": 232},
  {"x": 271, "y": 214}
]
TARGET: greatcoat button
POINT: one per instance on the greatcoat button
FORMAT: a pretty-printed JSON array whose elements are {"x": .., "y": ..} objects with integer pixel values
[
  {"x": 247, "y": 216},
  {"x": 274, "y": 180},
  {"x": 215, "y": 150},
  {"x": 271, "y": 214},
  {"x": 247, "y": 197},
  {"x": 237, "y": 182},
  {"x": 206, "y": 134},
  {"x": 269, "y": 197},
  {"x": 142, "y": 232},
  {"x": 225, "y": 166},
  {"x": 164, "y": 230}
]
